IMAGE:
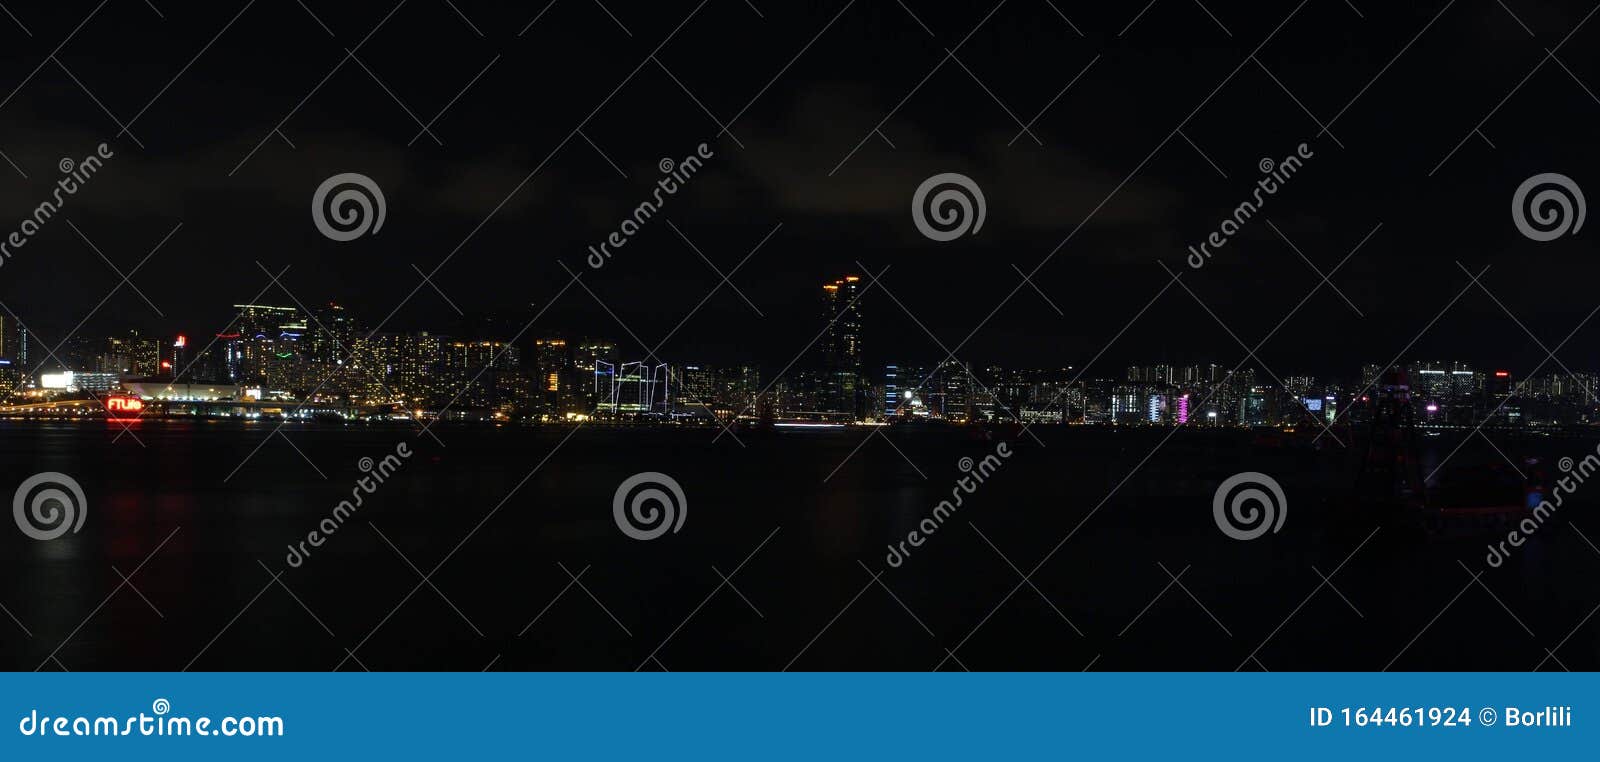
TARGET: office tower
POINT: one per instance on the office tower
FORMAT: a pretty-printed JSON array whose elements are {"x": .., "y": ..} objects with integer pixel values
[
  {"x": 333, "y": 330},
  {"x": 891, "y": 391},
  {"x": 697, "y": 387},
  {"x": 594, "y": 364},
  {"x": 840, "y": 349},
  {"x": 553, "y": 374},
  {"x": 11, "y": 333}
]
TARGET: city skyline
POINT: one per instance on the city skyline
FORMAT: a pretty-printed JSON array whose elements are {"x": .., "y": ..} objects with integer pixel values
[{"x": 286, "y": 353}]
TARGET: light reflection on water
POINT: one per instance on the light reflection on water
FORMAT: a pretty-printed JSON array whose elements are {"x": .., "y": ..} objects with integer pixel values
[{"x": 173, "y": 478}]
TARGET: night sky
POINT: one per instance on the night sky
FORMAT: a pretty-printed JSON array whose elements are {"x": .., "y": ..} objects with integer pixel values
[{"x": 1112, "y": 194}]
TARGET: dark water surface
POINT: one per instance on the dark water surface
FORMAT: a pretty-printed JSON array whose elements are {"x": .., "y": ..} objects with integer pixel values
[{"x": 499, "y": 537}]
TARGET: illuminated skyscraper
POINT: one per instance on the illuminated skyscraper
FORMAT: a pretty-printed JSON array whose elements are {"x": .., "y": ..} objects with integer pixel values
[
  {"x": 10, "y": 338},
  {"x": 841, "y": 348}
]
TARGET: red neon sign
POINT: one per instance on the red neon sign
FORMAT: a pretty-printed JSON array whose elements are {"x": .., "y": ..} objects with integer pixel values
[{"x": 122, "y": 407}]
